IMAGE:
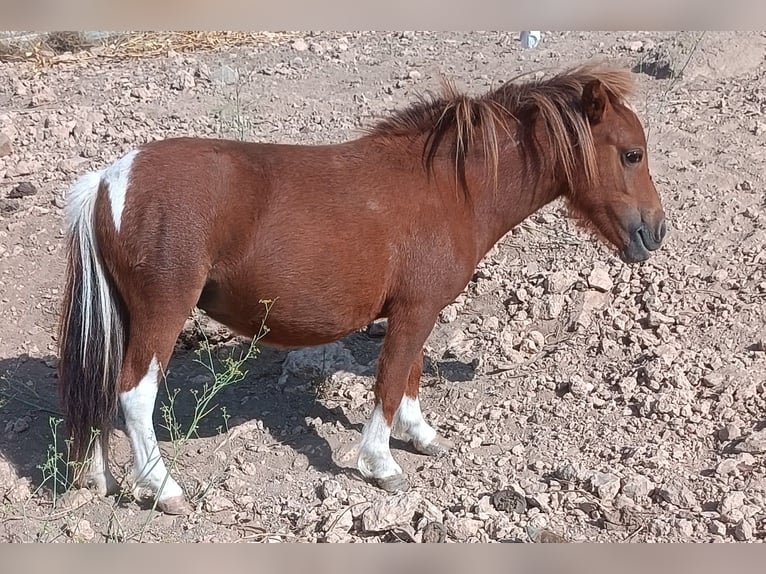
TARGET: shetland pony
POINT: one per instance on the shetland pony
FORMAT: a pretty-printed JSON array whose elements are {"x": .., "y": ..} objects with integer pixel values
[{"x": 391, "y": 224}]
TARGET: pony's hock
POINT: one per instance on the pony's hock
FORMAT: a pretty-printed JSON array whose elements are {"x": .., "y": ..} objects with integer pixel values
[{"x": 223, "y": 225}]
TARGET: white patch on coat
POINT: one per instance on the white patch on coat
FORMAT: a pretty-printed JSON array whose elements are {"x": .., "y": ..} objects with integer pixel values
[
  {"x": 117, "y": 178},
  {"x": 375, "y": 460},
  {"x": 409, "y": 423},
  {"x": 138, "y": 407}
]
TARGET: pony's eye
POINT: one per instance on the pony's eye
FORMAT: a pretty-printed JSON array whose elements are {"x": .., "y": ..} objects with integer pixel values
[{"x": 634, "y": 156}]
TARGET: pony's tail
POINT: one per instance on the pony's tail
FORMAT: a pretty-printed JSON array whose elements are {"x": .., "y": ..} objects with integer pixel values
[{"x": 92, "y": 332}]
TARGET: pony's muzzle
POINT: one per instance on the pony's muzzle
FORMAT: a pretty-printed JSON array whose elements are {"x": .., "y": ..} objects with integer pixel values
[{"x": 644, "y": 238}]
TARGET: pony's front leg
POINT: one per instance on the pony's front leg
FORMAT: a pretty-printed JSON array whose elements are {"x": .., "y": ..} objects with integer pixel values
[
  {"x": 149, "y": 469},
  {"x": 409, "y": 423},
  {"x": 403, "y": 345}
]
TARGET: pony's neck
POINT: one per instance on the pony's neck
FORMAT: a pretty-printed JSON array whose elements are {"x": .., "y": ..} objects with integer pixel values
[{"x": 522, "y": 188}]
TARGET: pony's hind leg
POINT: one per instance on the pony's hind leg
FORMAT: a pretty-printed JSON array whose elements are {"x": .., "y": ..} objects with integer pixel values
[
  {"x": 407, "y": 332},
  {"x": 97, "y": 475},
  {"x": 149, "y": 349},
  {"x": 409, "y": 423}
]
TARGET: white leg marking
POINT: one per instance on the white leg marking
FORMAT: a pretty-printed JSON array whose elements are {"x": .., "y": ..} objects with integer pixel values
[
  {"x": 148, "y": 467},
  {"x": 409, "y": 423},
  {"x": 117, "y": 177},
  {"x": 98, "y": 475},
  {"x": 375, "y": 460}
]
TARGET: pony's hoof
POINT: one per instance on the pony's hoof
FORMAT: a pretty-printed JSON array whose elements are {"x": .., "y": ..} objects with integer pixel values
[
  {"x": 437, "y": 447},
  {"x": 175, "y": 505},
  {"x": 396, "y": 483}
]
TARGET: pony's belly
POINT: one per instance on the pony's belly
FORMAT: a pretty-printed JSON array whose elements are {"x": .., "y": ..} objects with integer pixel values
[{"x": 295, "y": 318}]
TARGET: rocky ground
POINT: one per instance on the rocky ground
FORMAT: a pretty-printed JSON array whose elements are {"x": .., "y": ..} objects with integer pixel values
[{"x": 589, "y": 400}]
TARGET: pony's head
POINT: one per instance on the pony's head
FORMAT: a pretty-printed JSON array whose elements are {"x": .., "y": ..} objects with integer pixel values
[{"x": 617, "y": 197}]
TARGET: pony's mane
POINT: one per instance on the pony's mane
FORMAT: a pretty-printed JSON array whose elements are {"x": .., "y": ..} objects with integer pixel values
[{"x": 556, "y": 101}]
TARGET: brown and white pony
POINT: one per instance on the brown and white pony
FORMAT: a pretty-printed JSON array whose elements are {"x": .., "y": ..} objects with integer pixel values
[{"x": 391, "y": 224}]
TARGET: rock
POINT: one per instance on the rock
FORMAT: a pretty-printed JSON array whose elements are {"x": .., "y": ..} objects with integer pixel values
[
  {"x": 636, "y": 46},
  {"x": 300, "y": 45},
  {"x": 462, "y": 528},
  {"x": 83, "y": 531},
  {"x": 332, "y": 489},
  {"x": 24, "y": 189},
  {"x": 225, "y": 75},
  {"x": 6, "y": 148},
  {"x": 592, "y": 301},
  {"x": 655, "y": 319},
  {"x": 449, "y": 313},
  {"x": 508, "y": 500},
  {"x": 606, "y": 485},
  {"x": 390, "y": 511},
  {"x": 686, "y": 528},
  {"x": 579, "y": 387},
  {"x": 377, "y": 328},
  {"x": 729, "y": 432},
  {"x": 534, "y": 342},
  {"x": 561, "y": 281},
  {"x": 637, "y": 487},
  {"x": 726, "y": 467},
  {"x": 74, "y": 499},
  {"x": 599, "y": 279},
  {"x": 184, "y": 80},
  {"x": 433, "y": 533},
  {"x": 414, "y": 75},
  {"x": 730, "y": 507},
  {"x": 312, "y": 363},
  {"x": 753, "y": 444},
  {"x": 682, "y": 498},
  {"x": 484, "y": 509},
  {"x": 717, "y": 528},
  {"x": 339, "y": 521},
  {"x": 217, "y": 503},
  {"x": 743, "y": 530}
]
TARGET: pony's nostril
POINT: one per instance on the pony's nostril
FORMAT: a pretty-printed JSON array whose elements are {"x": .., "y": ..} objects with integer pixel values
[{"x": 661, "y": 231}]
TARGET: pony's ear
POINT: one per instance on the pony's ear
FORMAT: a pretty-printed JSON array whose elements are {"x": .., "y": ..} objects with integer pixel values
[{"x": 594, "y": 98}]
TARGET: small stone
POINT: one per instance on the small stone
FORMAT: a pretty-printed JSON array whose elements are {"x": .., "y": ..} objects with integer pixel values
[
  {"x": 24, "y": 189},
  {"x": 332, "y": 489},
  {"x": 729, "y": 432},
  {"x": 535, "y": 341},
  {"x": 339, "y": 521},
  {"x": 731, "y": 505},
  {"x": 579, "y": 387},
  {"x": 449, "y": 314},
  {"x": 754, "y": 444},
  {"x": 5, "y": 145},
  {"x": 462, "y": 528},
  {"x": 300, "y": 45},
  {"x": 377, "y": 328},
  {"x": 605, "y": 484},
  {"x": 682, "y": 498},
  {"x": 637, "y": 487},
  {"x": 726, "y": 467},
  {"x": 636, "y": 46},
  {"x": 508, "y": 500},
  {"x": 414, "y": 75},
  {"x": 599, "y": 279},
  {"x": 74, "y": 499},
  {"x": 390, "y": 511},
  {"x": 83, "y": 531},
  {"x": 561, "y": 281},
  {"x": 686, "y": 528},
  {"x": 655, "y": 319},
  {"x": 717, "y": 528},
  {"x": 433, "y": 533},
  {"x": 743, "y": 530},
  {"x": 485, "y": 509},
  {"x": 217, "y": 503}
]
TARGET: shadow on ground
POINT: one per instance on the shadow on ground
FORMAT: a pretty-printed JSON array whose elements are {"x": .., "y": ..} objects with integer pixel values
[{"x": 29, "y": 403}]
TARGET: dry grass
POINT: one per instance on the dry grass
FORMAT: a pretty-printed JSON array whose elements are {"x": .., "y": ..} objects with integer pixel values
[{"x": 131, "y": 44}]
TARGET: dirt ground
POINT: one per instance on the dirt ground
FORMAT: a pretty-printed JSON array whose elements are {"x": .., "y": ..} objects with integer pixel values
[{"x": 589, "y": 400}]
